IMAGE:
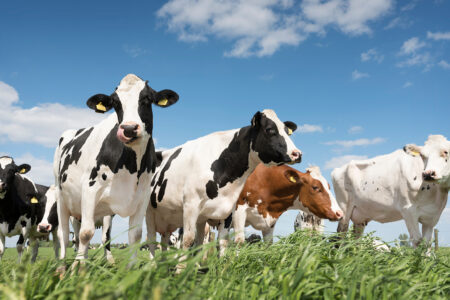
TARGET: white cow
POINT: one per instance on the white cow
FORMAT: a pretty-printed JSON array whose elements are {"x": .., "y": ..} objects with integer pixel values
[
  {"x": 202, "y": 179},
  {"x": 389, "y": 188},
  {"x": 106, "y": 169}
]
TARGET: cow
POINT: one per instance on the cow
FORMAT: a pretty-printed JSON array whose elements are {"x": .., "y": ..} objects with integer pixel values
[
  {"x": 389, "y": 188},
  {"x": 201, "y": 179},
  {"x": 436, "y": 157},
  {"x": 309, "y": 221},
  {"x": 106, "y": 169},
  {"x": 271, "y": 191},
  {"x": 22, "y": 204}
]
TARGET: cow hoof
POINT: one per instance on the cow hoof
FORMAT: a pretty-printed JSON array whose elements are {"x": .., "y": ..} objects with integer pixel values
[
  {"x": 61, "y": 271},
  {"x": 110, "y": 260}
]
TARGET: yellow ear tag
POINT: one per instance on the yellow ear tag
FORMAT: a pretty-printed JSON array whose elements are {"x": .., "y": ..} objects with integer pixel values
[
  {"x": 289, "y": 131},
  {"x": 22, "y": 171},
  {"x": 415, "y": 153},
  {"x": 100, "y": 107},
  {"x": 163, "y": 102},
  {"x": 34, "y": 200},
  {"x": 292, "y": 179}
]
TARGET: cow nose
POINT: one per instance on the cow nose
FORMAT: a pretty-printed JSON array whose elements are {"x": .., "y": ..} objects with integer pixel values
[
  {"x": 44, "y": 228},
  {"x": 130, "y": 130},
  {"x": 429, "y": 175},
  {"x": 296, "y": 156},
  {"x": 339, "y": 214}
]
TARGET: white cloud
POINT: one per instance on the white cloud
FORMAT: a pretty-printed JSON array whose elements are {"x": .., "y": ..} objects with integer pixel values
[
  {"x": 410, "y": 6},
  {"x": 399, "y": 22},
  {"x": 411, "y": 46},
  {"x": 133, "y": 50},
  {"x": 41, "y": 169},
  {"x": 358, "y": 75},
  {"x": 339, "y": 161},
  {"x": 261, "y": 27},
  {"x": 355, "y": 143},
  {"x": 355, "y": 129},
  {"x": 372, "y": 54},
  {"x": 444, "y": 64},
  {"x": 407, "y": 84},
  {"x": 308, "y": 128},
  {"x": 438, "y": 35},
  {"x": 42, "y": 124}
]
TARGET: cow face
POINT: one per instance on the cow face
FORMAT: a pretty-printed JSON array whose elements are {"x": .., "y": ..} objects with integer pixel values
[
  {"x": 50, "y": 219},
  {"x": 8, "y": 171},
  {"x": 132, "y": 102},
  {"x": 435, "y": 155},
  {"x": 315, "y": 193},
  {"x": 271, "y": 140}
]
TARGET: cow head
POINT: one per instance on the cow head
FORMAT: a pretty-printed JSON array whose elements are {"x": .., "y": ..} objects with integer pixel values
[
  {"x": 132, "y": 101},
  {"x": 271, "y": 139},
  {"x": 436, "y": 156},
  {"x": 50, "y": 219},
  {"x": 8, "y": 172},
  {"x": 315, "y": 193}
]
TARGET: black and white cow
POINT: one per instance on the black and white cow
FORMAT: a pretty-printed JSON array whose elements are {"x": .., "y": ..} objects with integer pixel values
[
  {"x": 22, "y": 205},
  {"x": 106, "y": 169},
  {"x": 202, "y": 179}
]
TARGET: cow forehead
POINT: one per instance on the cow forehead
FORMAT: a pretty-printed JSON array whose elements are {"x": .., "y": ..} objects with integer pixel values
[
  {"x": 436, "y": 143},
  {"x": 270, "y": 114},
  {"x": 318, "y": 176},
  {"x": 5, "y": 160}
]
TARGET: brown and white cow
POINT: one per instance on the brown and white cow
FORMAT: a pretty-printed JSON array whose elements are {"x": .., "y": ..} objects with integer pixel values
[{"x": 270, "y": 191}]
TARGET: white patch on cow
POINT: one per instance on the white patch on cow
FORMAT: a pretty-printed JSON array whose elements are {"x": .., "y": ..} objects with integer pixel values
[
  {"x": 436, "y": 155},
  {"x": 248, "y": 194},
  {"x": 17, "y": 229},
  {"x": 51, "y": 199},
  {"x": 4, "y": 161},
  {"x": 259, "y": 201},
  {"x": 316, "y": 174}
]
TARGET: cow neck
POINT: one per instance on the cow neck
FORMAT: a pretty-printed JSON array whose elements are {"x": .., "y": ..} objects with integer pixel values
[
  {"x": 285, "y": 199},
  {"x": 12, "y": 203}
]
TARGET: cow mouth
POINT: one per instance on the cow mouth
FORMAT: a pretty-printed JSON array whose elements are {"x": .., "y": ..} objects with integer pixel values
[{"x": 125, "y": 139}]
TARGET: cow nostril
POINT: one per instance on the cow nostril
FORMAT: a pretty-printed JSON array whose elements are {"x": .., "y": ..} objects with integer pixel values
[{"x": 339, "y": 214}]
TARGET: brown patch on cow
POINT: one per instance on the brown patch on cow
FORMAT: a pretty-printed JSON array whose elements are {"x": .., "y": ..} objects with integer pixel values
[{"x": 277, "y": 190}]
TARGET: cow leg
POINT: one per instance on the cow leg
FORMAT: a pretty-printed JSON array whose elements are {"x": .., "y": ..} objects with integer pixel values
[
  {"x": 34, "y": 244},
  {"x": 200, "y": 236},
  {"x": 190, "y": 218},
  {"x": 135, "y": 234},
  {"x": 87, "y": 228},
  {"x": 427, "y": 234},
  {"x": 343, "y": 223},
  {"x": 165, "y": 237},
  {"x": 19, "y": 247},
  {"x": 106, "y": 237},
  {"x": 413, "y": 228},
  {"x": 358, "y": 229},
  {"x": 2, "y": 246},
  {"x": 151, "y": 233},
  {"x": 76, "y": 233},
  {"x": 239, "y": 219},
  {"x": 63, "y": 228},
  {"x": 268, "y": 235},
  {"x": 223, "y": 238},
  {"x": 55, "y": 243}
]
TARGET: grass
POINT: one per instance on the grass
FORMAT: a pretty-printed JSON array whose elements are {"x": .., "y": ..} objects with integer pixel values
[{"x": 300, "y": 266}]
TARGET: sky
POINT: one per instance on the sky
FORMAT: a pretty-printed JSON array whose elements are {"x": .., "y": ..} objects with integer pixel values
[{"x": 360, "y": 78}]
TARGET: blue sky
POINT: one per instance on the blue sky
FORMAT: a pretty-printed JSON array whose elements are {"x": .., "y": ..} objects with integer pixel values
[{"x": 360, "y": 78}]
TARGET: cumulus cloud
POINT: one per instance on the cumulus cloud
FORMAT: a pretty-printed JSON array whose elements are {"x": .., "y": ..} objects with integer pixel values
[
  {"x": 372, "y": 55},
  {"x": 355, "y": 129},
  {"x": 261, "y": 27},
  {"x": 412, "y": 50},
  {"x": 133, "y": 50},
  {"x": 399, "y": 22},
  {"x": 347, "y": 144},
  {"x": 438, "y": 35},
  {"x": 308, "y": 128},
  {"x": 444, "y": 64},
  {"x": 407, "y": 84},
  {"x": 41, "y": 124},
  {"x": 412, "y": 45},
  {"x": 41, "y": 169},
  {"x": 358, "y": 75},
  {"x": 339, "y": 161}
]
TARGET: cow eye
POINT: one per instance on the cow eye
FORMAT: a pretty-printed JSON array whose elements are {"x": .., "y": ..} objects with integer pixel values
[
  {"x": 445, "y": 153},
  {"x": 270, "y": 131},
  {"x": 316, "y": 188}
]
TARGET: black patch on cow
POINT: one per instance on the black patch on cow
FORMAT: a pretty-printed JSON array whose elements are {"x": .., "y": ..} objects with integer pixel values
[
  {"x": 228, "y": 221},
  {"x": 60, "y": 140},
  {"x": 104, "y": 176},
  {"x": 74, "y": 148},
  {"x": 115, "y": 155},
  {"x": 415, "y": 177},
  {"x": 91, "y": 183},
  {"x": 23, "y": 223},
  {"x": 108, "y": 239},
  {"x": 64, "y": 177},
  {"x": 145, "y": 111},
  {"x": 232, "y": 162},
  {"x": 162, "y": 182},
  {"x": 21, "y": 240},
  {"x": 79, "y": 131},
  {"x": 148, "y": 159}
]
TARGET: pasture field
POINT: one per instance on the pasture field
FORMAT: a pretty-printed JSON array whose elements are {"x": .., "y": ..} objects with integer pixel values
[{"x": 301, "y": 266}]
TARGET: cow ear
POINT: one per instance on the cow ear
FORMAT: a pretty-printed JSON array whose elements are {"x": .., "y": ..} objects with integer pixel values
[
  {"x": 292, "y": 176},
  {"x": 23, "y": 169},
  {"x": 101, "y": 103},
  {"x": 256, "y": 120},
  {"x": 291, "y": 127},
  {"x": 165, "y": 98},
  {"x": 412, "y": 149}
]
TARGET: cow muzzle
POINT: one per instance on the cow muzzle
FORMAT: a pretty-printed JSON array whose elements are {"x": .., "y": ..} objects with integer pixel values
[
  {"x": 295, "y": 156},
  {"x": 44, "y": 228},
  {"x": 430, "y": 175},
  {"x": 128, "y": 132}
]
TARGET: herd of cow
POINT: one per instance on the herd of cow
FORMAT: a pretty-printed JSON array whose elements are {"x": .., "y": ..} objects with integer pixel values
[{"x": 233, "y": 178}]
